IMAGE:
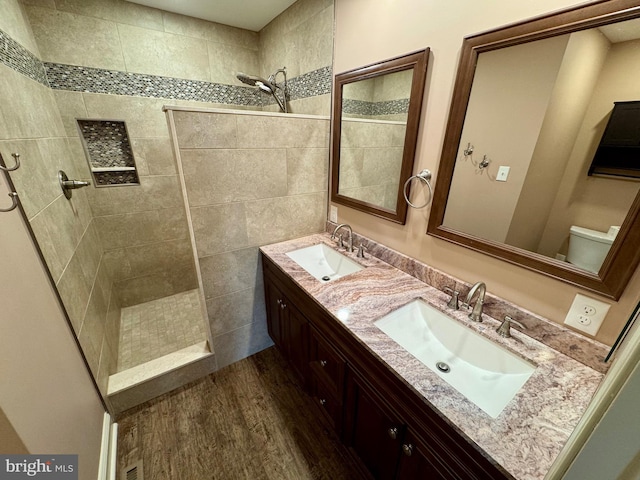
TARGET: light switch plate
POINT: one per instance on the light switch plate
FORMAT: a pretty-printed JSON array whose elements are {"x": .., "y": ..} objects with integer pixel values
[
  {"x": 503, "y": 173},
  {"x": 333, "y": 214},
  {"x": 586, "y": 314}
]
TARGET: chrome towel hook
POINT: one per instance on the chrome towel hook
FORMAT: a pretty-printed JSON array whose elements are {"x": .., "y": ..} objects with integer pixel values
[
  {"x": 424, "y": 176},
  {"x": 16, "y": 157},
  {"x": 14, "y": 197}
]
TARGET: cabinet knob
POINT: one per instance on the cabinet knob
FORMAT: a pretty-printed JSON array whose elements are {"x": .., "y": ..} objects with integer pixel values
[
  {"x": 278, "y": 301},
  {"x": 323, "y": 363},
  {"x": 407, "y": 449},
  {"x": 393, "y": 433},
  {"x": 323, "y": 402},
  {"x": 283, "y": 305}
]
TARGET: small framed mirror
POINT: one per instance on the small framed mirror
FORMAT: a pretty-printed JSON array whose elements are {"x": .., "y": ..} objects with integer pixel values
[
  {"x": 517, "y": 178},
  {"x": 376, "y": 113}
]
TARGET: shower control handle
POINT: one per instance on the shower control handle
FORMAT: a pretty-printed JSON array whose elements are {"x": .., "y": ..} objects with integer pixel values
[
  {"x": 73, "y": 184},
  {"x": 68, "y": 185}
]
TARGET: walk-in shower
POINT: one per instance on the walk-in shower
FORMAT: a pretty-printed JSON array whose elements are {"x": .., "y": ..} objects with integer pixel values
[{"x": 269, "y": 86}]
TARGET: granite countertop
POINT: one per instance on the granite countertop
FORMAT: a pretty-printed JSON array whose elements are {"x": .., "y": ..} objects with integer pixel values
[{"x": 531, "y": 430}]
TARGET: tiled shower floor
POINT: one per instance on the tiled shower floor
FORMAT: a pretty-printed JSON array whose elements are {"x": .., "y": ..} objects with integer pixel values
[{"x": 153, "y": 329}]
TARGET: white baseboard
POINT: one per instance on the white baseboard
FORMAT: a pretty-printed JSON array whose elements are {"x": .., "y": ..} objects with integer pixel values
[
  {"x": 108, "y": 449},
  {"x": 113, "y": 452}
]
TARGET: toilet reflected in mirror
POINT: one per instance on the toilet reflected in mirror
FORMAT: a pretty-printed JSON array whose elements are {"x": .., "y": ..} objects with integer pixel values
[{"x": 588, "y": 248}]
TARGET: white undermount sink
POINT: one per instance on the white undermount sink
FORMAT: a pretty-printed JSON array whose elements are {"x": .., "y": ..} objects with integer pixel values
[
  {"x": 481, "y": 370},
  {"x": 323, "y": 262}
]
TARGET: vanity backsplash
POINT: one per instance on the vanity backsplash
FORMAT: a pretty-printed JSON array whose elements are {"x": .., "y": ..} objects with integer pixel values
[{"x": 585, "y": 350}]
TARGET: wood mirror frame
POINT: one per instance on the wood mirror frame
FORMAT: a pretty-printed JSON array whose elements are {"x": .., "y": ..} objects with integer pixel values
[
  {"x": 417, "y": 61},
  {"x": 624, "y": 255}
]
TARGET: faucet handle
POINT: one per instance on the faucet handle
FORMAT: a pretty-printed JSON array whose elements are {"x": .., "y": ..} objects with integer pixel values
[
  {"x": 361, "y": 250},
  {"x": 453, "y": 301},
  {"x": 504, "y": 330},
  {"x": 340, "y": 241}
]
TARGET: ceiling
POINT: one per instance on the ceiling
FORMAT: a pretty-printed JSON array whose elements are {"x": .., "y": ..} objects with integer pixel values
[
  {"x": 248, "y": 14},
  {"x": 622, "y": 31}
]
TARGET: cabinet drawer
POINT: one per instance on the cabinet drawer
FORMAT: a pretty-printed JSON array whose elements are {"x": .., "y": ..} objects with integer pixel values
[
  {"x": 326, "y": 363},
  {"x": 330, "y": 407}
]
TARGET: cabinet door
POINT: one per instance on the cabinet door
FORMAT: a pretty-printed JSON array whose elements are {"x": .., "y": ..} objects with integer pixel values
[
  {"x": 372, "y": 431},
  {"x": 417, "y": 462},
  {"x": 274, "y": 299},
  {"x": 295, "y": 337}
]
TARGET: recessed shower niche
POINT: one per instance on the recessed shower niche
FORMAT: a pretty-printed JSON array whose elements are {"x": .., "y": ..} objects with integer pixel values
[{"x": 108, "y": 151}]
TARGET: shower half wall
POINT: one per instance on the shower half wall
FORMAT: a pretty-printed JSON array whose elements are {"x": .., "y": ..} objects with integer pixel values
[{"x": 250, "y": 179}]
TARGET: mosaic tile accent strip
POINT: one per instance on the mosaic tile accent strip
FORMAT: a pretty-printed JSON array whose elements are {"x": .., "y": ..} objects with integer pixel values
[
  {"x": 372, "y": 109},
  {"x": 18, "y": 58},
  {"x": 311, "y": 84},
  {"x": 96, "y": 80}
]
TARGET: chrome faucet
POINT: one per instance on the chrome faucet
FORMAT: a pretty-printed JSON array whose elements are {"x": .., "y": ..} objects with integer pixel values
[
  {"x": 476, "y": 313},
  {"x": 349, "y": 246},
  {"x": 504, "y": 330}
]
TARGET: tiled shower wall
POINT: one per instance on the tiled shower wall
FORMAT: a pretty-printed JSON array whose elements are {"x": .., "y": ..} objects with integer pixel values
[
  {"x": 97, "y": 63},
  {"x": 121, "y": 61},
  {"x": 301, "y": 38},
  {"x": 31, "y": 125},
  {"x": 251, "y": 180},
  {"x": 366, "y": 172}
]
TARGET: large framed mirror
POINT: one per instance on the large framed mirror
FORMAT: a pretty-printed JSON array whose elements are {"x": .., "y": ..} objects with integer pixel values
[
  {"x": 530, "y": 106},
  {"x": 376, "y": 113}
]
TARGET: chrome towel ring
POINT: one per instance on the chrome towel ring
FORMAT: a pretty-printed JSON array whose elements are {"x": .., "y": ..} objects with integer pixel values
[{"x": 424, "y": 176}]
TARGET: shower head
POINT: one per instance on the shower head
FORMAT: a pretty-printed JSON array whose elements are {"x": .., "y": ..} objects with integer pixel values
[
  {"x": 259, "y": 82},
  {"x": 267, "y": 86}
]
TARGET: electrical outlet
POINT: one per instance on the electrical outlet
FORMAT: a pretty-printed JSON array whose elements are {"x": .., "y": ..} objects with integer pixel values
[
  {"x": 586, "y": 314},
  {"x": 333, "y": 214}
]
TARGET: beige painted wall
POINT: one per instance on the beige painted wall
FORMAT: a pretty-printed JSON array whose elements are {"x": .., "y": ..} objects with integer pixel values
[
  {"x": 522, "y": 77},
  {"x": 251, "y": 180},
  {"x": 596, "y": 202},
  {"x": 581, "y": 66},
  {"x": 47, "y": 401},
  {"x": 403, "y": 26}
]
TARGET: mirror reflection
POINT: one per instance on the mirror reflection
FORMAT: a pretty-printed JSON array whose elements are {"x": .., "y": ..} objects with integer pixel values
[
  {"x": 535, "y": 118},
  {"x": 373, "y": 127},
  {"x": 376, "y": 113}
]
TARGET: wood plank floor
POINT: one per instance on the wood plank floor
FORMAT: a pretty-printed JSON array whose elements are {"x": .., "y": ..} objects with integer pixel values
[{"x": 250, "y": 420}]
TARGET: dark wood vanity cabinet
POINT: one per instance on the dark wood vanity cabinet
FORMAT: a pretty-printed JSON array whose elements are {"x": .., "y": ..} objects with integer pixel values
[
  {"x": 326, "y": 378},
  {"x": 387, "y": 426},
  {"x": 383, "y": 442},
  {"x": 373, "y": 431},
  {"x": 287, "y": 326}
]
